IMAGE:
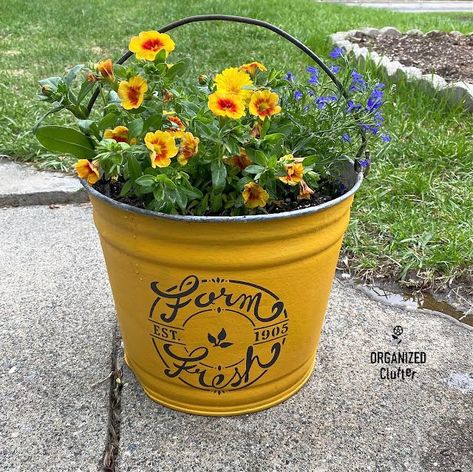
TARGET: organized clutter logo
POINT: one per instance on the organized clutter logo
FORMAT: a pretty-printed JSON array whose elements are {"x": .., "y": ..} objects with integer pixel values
[
  {"x": 398, "y": 363},
  {"x": 217, "y": 334}
]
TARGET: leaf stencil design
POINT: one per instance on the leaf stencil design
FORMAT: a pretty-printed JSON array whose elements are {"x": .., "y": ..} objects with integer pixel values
[{"x": 218, "y": 342}]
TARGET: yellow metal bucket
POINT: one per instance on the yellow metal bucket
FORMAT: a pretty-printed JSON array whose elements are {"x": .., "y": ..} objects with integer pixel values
[{"x": 221, "y": 315}]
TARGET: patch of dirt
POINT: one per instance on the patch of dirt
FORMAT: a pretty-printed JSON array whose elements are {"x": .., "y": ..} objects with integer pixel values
[
  {"x": 448, "y": 55},
  {"x": 323, "y": 194}
]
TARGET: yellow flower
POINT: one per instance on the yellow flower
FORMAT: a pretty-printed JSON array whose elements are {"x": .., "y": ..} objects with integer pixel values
[
  {"x": 106, "y": 69},
  {"x": 304, "y": 191},
  {"x": 188, "y": 146},
  {"x": 254, "y": 195},
  {"x": 233, "y": 81},
  {"x": 242, "y": 161},
  {"x": 264, "y": 104},
  {"x": 294, "y": 173},
  {"x": 131, "y": 93},
  {"x": 119, "y": 134},
  {"x": 87, "y": 170},
  {"x": 148, "y": 44},
  {"x": 162, "y": 146},
  {"x": 252, "y": 67},
  {"x": 226, "y": 104}
]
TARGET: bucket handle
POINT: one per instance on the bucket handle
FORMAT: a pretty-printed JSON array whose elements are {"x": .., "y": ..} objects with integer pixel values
[{"x": 269, "y": 26}]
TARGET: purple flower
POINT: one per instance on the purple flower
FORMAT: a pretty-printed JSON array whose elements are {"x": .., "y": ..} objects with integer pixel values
[
  {"x": 364, "y": 163},
  {"x": 314, "y": 76},
  {"x": 336, "y": 53},
  {"x": 379, "y": 86},
  {"x": 297, "y": 95},
  {"x": 375, "y": 100},
  {"x": 385, "y": 138},
  {"x": 352, "y": 106},
  {"x": 311, "y": 93},
  {"x": 321, "y": 102},
  {"x": 289, "y": 77},
  {"x": 378, "y": 118},
  {"x": 335, "y": 69},
  {"x": 346, "y": 137},
  {"x": 373, "y": 129},
  {"x": 312, "y": 70},
  {"x": 358, "y": 84}
]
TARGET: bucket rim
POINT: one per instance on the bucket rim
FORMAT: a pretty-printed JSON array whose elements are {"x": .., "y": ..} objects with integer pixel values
[{"x": 225, "y": 219}]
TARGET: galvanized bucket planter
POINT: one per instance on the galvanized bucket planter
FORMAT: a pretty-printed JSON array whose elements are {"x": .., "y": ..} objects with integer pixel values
[{"x": 222, "y": 315}]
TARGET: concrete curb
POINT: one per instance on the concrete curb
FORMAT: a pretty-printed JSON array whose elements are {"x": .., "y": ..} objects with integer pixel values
[
  {"x": 454, "y": 93},
  {"x": 22, "y": 185}
]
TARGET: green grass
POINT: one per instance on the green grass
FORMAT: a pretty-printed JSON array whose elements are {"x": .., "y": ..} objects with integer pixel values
[{"x": 413, "y": 217}]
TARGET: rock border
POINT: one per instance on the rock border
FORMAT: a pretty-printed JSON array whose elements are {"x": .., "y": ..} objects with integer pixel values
[{"x": 454, "y": 93}]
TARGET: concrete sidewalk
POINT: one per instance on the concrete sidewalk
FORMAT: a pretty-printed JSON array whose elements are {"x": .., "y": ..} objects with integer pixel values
[{"x": 57, "y": 323}]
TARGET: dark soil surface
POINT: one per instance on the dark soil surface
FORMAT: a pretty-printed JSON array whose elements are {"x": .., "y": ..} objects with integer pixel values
[
  {"x": 325, "y": 193},
  {"x": 447, "y": 55}
]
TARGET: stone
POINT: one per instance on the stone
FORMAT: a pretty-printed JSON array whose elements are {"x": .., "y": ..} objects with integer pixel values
[
  {"x": 390, "y": 31},
  {"x": 459, "y": 93},
  {"x": 371, "y": 32},
  {"x": 56, "y": 323},
  {"x": 414, "y": 32},
  {"x": 431, "y": 83},
  {"x": 24, "y": 185}
]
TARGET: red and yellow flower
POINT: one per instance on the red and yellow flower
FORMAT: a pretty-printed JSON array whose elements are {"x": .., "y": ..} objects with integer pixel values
[
  {"x": 188, "y": 146},
  {"x": 226, "y": 104},
  {"x": 132, "y": 92},
  {"x": 87, "y": 170},
  {"x": 235, "y": 82},
  {"x": 294, "y": 173},
  {"x": 105, "y": 68},
  {"x": 162, "y": 146},
  {"x": 264, "y": 103},
  {"x": 176, "y": 121},
  {"x": 119, "y": 134},
  {"x": 252, "y": 67},
  {"x": 254, "y": 195},
  {"x": 148, "y": 44},
  {"x": 305, "y": 191},
  {"x": 242, "y": 161}
]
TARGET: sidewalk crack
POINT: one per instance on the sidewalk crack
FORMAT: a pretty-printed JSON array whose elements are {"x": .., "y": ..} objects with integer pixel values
[{"x": 112, "y": 443}]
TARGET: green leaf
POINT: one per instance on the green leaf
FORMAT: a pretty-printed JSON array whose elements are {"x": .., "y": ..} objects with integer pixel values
[
  {"x": 61, "y": 139},
  {"x": 254, "y": 169},
  {"x": 260, "y": 158},
  {"x": 160, "y": 57},
  {"x": 153, "y": 122},
  {"x": 309, "y": 160},
  {"x": 72, "y": 73},
  {"x": 108, "y": 121},
  {"x": 127, "y": 186},
  {"x": 178, "y": 69},
  {"x": 215, "y": 201},
  {"x": 85, "y": 88},
  {"x": 265, "y": 127},
  {"x": 89, "y": 128},
  {"x": 274, "y": 137},
  {"x": 219, "y": 174},
  {"x": 135, "y": 128},
  {"x": 120, "y": 71},
  {"x": 146, "y": 180},
  {"x": 134, "y": 168}
]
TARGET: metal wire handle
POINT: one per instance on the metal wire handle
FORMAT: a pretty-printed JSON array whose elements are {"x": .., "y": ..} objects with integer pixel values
[{"x": 262, "y": 24}]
